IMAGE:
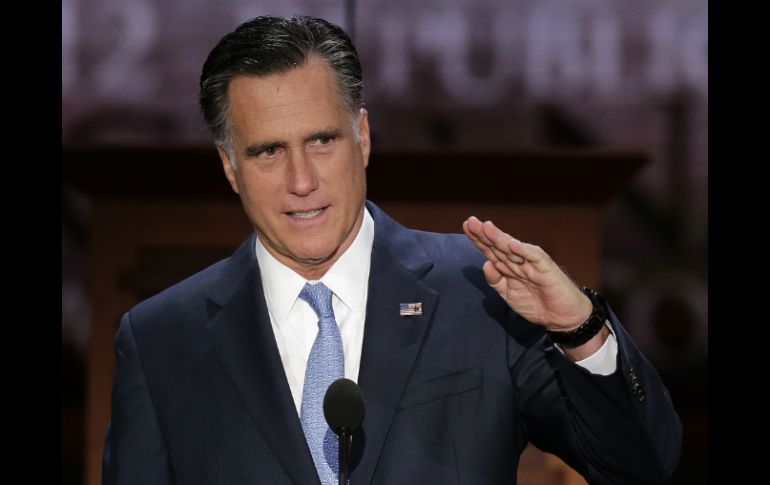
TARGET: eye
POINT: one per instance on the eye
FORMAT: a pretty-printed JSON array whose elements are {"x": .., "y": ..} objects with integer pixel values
[
  {"x": 322, "y": 141},
  {"x": 269, "y": 152}
]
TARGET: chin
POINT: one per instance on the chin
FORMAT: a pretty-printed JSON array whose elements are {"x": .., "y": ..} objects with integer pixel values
[{"x": 313, "y": 255}]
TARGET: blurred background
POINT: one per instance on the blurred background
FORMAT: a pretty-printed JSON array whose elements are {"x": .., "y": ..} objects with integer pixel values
[{"x": 477, "y": 77}]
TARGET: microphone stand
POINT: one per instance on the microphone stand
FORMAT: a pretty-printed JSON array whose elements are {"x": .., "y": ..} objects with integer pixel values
[{"x": 346, "y": 443}]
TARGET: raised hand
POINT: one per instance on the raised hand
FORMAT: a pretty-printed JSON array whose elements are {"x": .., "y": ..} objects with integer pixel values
[{"x": 528, "y": 279}]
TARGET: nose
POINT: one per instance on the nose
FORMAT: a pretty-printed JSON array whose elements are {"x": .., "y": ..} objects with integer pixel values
[{"x": 301, "y": 174}]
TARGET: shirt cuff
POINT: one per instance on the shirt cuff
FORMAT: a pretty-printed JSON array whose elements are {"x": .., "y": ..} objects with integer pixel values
[{"x": 605, "y": 360}]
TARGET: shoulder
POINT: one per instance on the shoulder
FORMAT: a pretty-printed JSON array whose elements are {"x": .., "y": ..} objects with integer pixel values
[
  {"x": 192, "y": 301},
  {"x": 182, "y": 304},
  {"x": 456, "y": 264},
  {"x": 449, "y": 249}
]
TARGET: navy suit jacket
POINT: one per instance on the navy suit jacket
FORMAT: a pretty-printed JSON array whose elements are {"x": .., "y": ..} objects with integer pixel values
[{"x": 452, "y": 395}]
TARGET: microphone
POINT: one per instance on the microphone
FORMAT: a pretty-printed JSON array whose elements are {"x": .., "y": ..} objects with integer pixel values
[{"x": 344, "y": 412}]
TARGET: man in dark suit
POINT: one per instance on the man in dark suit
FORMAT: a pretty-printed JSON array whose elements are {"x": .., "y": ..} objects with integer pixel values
[{"x": 464, "y": 354}]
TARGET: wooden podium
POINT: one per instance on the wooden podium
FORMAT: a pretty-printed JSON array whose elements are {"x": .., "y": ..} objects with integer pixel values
[{"x": 162, "y": 214}]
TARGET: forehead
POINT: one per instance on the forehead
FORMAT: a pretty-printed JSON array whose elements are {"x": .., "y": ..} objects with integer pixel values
[{"x": 300, "y": 98}]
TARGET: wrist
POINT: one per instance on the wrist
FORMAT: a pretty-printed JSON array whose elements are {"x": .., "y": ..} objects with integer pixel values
[
  {"x": 583, "y": 316},
  {"x": 590, "y": 327}
]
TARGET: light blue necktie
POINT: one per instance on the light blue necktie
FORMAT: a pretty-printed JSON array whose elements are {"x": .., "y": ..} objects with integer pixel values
[{"x": 325, "y": 365}]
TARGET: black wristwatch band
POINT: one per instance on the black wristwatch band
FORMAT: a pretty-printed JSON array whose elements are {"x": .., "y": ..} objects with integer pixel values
[{"x": 589, "y": 328}]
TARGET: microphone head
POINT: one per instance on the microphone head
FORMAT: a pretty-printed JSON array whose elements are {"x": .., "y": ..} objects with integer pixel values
[{"x": 344, "y": 406}]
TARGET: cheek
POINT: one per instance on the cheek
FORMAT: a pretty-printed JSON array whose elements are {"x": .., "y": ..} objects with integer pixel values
[
  {"x": 261, "y": 187},
  {"x": 359, "y": 179},
  {"x": 354, "y": 170},
  {"x": 259, "y": 198}
]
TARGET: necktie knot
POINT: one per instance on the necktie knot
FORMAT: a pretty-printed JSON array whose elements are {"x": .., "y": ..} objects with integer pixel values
[{"x": 319, "y": 297}]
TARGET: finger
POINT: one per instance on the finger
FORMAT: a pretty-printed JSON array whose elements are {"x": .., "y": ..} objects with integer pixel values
[
  {"x": 508, "y": 264},
  {"x": 508, "y": 257},
  {"x": 472, "y": 229},
  {"x": 493, "y": 277},
  {"x": 480, "y": 237},
  {"x": 530, "y": 252},
  {"x": 503, "y": 249},
  {"x": 473, "y": 224},
  {"x": 502, "y": 242},
  {"x": 509, "y": 270},
  {"x": 484, "y": 235},
  {"x": 515, "y": 250}
]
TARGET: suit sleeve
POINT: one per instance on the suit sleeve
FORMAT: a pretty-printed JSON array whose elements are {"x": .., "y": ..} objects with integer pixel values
[
  {"x": 615, "y": 429},
  {"x": 134, "y": 450}
]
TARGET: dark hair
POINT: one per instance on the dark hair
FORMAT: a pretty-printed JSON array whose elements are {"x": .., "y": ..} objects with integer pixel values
[{"x": 271, "y": 45}]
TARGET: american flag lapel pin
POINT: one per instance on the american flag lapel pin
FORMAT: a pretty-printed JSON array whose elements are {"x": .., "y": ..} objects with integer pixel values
[{"x": 410, "y": 309}]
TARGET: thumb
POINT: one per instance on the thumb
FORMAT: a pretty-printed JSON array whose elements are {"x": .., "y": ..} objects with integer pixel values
[{"x": 493, "y": 277}]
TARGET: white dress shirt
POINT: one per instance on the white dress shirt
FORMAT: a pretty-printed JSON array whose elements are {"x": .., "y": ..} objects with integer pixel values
[
  {"x": 295, "y": 324},
  {"x": 604, "y": 360}
]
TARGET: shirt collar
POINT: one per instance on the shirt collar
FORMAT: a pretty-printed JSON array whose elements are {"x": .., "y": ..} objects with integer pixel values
[{"x": 348, "y": 277}]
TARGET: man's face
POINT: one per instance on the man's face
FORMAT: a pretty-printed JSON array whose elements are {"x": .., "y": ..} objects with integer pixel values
[{"x": 300, "y": 171}]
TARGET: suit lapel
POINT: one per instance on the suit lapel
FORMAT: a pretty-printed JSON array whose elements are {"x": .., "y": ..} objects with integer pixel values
[
  {"x": 244, "y": 341},
  {"x": 391, "y": 342}
]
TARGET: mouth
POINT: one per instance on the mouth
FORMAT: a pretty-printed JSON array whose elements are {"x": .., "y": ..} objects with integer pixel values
[{"x": 306, "y": 214}]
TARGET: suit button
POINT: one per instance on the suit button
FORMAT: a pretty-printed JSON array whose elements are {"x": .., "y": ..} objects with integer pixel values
[{"x": 636, "y": 387}]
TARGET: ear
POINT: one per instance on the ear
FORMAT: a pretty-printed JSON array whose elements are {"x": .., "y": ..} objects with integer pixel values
[
  {"x": 228, "y": 167},
  {"x": 363, "y": 135}
]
